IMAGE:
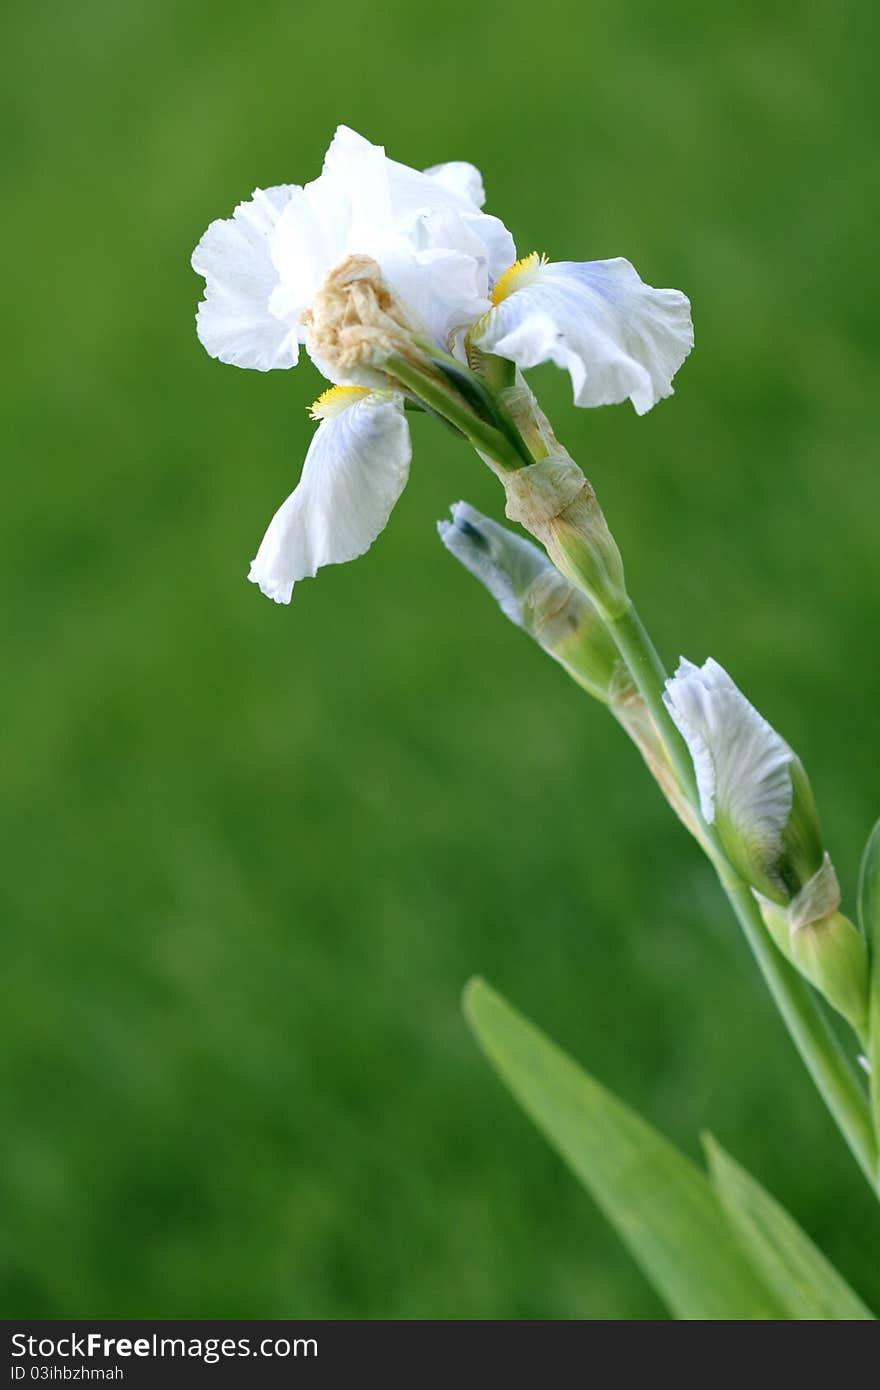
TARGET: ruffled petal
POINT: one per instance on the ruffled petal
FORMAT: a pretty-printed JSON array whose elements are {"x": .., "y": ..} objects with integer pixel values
[
  {"x": 355, "y": 470},
  {"x": 462, "y": 179},
  {"x": 395, "y": 209},
  {"x": 617, "y": 337},
  {"x": 743, "y": 767},
  {"x": 311, "y": 237},
  {"x": 234, "y": 320}
]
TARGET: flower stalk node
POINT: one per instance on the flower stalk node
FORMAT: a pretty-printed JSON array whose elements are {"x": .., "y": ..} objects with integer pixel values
[{"x": 554, "y": 501}]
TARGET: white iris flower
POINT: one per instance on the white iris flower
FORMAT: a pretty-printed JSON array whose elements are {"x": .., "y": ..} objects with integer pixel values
[{"x": 453, "y": 271}]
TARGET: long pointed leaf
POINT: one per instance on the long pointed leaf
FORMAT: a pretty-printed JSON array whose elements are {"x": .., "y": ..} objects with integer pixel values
[
  {"x": 660, "y": 1203},
  {"x": 869, "y": 890},
  {"x": 793, "y": 1267},
  {"x": 869, "y": 920}
]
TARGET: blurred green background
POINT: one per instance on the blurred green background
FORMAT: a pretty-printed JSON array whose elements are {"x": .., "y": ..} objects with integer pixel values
[{"x": 253, "y": 853}]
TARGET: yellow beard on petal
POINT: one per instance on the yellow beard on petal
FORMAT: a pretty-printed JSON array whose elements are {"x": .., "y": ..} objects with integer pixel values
[
  {"x": 334, "y": 400},
  {"x": 516, "y": 276}
]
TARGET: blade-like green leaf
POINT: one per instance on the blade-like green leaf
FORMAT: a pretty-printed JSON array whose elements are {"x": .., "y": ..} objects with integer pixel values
[
  {"x": 658, "y": 1201},
  {"x": 869, "y": 920},
  {"x": 869, "y": 890},
  {"x": 803, "y": 1280}
]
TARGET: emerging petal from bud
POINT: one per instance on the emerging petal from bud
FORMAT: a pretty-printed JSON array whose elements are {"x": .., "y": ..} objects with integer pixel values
[
  {"x": 535, "y": 596},
  {"x": 507, "y": 564},
  {"x": 355, "y": 470},
  {"x": 617, "y": 337},
  {"x": 752, "y": 787}
]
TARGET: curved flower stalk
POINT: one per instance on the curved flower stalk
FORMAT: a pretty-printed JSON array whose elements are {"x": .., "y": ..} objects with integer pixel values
[{"x": 396, "y": 282}]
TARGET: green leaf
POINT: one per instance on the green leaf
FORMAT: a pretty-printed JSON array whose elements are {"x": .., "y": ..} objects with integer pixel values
[
  {"x": 869, "y": 921},
  {"x": 660, "y": 1203},
  {"x": 869, "y": 891},
  {"x": 799, "y": 1274}
]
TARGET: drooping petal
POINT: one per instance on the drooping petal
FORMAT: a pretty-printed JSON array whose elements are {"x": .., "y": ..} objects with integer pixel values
[
  {"x": 743, "y": 767},
  {"x": 355, "y": 470},
  {"x": 234, "y": 320},
  {"x": 616, "y": 336}
]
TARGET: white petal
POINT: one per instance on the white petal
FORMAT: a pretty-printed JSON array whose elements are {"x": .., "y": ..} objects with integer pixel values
[
  {"x": 741, "y": 763},
  {"x": 506, "y": 563},
  {"x": 445, "y": 289},
  {"x": 311, "y": 238},
  {"x": 500, "y": 246},
  {"x": 616, "y": 336},
  {"x": 462, "y": 179},
  {"x": 355, "y": 470},
  {"x": 234, "y": 321},
  {"x": 361, "y": 170},
  {"x": 391, "y": 203}
]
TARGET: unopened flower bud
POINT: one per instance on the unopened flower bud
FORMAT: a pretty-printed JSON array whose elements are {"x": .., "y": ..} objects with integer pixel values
[
  {"x": 827, "y": 948},
  {"x": 535, "y": 596},
  {"x": 754, "y": 791},
  {"x": 752, "y": 786}
]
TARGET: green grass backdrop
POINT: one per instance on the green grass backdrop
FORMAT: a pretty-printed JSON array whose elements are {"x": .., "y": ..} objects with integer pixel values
[{"x": 251, "y": 854}]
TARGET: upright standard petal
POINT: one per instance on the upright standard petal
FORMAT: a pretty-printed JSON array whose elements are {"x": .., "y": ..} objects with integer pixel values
[
  {"x": 355, "y": 470},
  {"x": 617, "y": 337},
  {"x": 310, "y": 238},
  {"x": 437, "y": 210},
  {"x": 743, "y": 768},
  {"x": 462, "y": 179},
  {"x": 234, "y": 320}
]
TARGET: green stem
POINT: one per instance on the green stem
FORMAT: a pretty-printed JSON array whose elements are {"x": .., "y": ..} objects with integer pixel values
[
  {"x": 437, "y": 394},
  {"x": 646, "y": 669},
  {"x": 820, "y": 1049}
]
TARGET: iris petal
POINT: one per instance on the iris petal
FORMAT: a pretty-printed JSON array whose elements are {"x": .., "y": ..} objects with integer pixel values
[
  {"x": 742, "y": 765},
  {"x": 355, "y": 470},
  {"x": 234, "y": 321},
  {"x": 617, "y": 337}
]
